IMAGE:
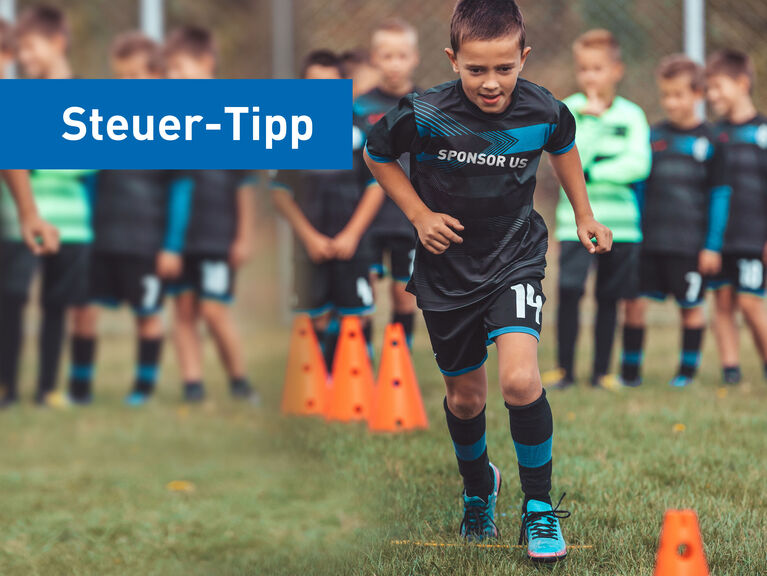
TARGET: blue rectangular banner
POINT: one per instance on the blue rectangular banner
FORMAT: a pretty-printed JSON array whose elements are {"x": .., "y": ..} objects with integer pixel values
[{"x": 176, "y": 124}]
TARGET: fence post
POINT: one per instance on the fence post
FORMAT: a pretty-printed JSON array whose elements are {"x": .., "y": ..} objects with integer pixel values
[
  {"x": 283, "y": 57},
  {"x": 8, "y": 13},
  {"x": 695, "y": 35},
  {"x": 152, "y": 18}
]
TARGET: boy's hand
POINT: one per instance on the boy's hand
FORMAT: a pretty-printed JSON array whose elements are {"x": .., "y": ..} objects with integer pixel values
[
  {"x": 345, "y": 245},
  {"x": 320, "y": 248},
  {"x": 40, "y": 237},
  {"x": 709, "y": 262},
  {"x": 437, "y": 231},
  {"x": 596, "y": 237},
  {"x": 595, "y": 106},
  {"x": 169, "y": 265},
  {"x": 764, "y": 254},
  {"x": 240, "y": 252}
]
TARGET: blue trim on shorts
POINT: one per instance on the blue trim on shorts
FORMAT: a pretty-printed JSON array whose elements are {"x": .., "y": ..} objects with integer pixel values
[
  {"x": 514, "y": 330},
  {"x": 147, "y": 312},
  {"x": 360, "y": 311},
  {"x": 315, "y": 312},
  {"x": 177, "y": 289},
  {"x": 464, "y": 370},
  {"x": 759, "y": 293},
  {"x": 403, "y": 279},
  {"x": 379, "y": 269},
  {"x": 657, "y": 296},
  {"x": 225, "y": 299},
  {"x": 687, "y": 305},
  {"x": 106, "y": 303},
  {"x": 718, "y": 284}
]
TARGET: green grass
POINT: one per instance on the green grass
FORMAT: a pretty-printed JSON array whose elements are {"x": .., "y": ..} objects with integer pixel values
[{"x": 84, "y": 491}]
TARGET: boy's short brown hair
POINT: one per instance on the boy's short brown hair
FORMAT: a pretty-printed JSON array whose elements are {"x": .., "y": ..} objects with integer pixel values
[
  {"x": 486, "y": 20},
  {"x": 677, "y": 65},
  {"x": 599, "y": 39},
  {"x": 732, "y": 63},
  {"x": 195, "y": 41},
  {"x": 44, "y": 20},
  {"x": 7, "y": 43},
  {"x": 396, "y": 26},
  {"x": 129, "y": 44},
  {"x": 323, "y": 58}
]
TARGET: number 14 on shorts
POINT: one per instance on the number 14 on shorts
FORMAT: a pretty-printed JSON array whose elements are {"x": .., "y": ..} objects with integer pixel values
[{"x": 527, "y": 301}]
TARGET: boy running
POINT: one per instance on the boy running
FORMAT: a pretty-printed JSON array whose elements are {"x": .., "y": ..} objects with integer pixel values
[
  {"x": 742, "y": 133},
  {"x": 481, "y": 254}
]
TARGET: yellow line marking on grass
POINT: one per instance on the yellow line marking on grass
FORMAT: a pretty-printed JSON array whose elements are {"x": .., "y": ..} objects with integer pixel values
[{"x": 455, "y": 544}]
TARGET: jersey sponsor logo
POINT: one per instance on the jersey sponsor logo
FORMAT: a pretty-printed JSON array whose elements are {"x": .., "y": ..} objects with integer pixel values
[
  {"x": 482, "y": 159},
  {"x": 700, "y": 149}
]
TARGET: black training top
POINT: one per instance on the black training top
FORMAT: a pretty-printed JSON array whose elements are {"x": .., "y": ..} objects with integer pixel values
[
  {"x": 213, "y": 222},
  {"x": 686, "y": 170},
  {"x": 745, "y": 150},
  {"x": 369, "y": 109},
  {"x": 479, "y": 168}
]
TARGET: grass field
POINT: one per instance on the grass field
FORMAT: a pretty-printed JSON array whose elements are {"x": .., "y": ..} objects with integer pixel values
[{"x": 85, "y": 491}]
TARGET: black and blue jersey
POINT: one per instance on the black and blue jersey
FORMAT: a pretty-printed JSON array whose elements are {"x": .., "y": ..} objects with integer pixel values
[
  {"x": 685, "y": 197},
  {"x": 481, "y": 169},
  {"x": 745, "y": 150}
]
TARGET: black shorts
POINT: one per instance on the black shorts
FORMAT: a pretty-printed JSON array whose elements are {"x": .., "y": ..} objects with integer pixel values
[
  {"x": 208, "y": 277},
  {"x": 118, "y": 278},
  {"x": 460, "y": 337},
  {"x": 65, "y": 275},
  {"x": 744, "y": 272},
  {"x": 674, "y": 274},
  {"x": 401, "y": 250},
  {"x": 340, "y": 285},
  {"x": 617, "y": 271}
]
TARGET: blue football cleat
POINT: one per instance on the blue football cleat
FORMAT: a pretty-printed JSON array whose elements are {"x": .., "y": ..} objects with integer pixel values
[
  {"x": 541, "y": 530},
  {"x": 137, "y": 398},
  {"x": 479, "y": 514},
  {"x": 680, "y": 381}
]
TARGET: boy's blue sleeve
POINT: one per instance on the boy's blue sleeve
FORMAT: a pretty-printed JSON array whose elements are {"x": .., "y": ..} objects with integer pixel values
[
  {"x": 180, "y": 197},
  {"x": 719, "y": 201},
  {"x": 90, "y": 182},
  {"x": 396, "y": 133}
]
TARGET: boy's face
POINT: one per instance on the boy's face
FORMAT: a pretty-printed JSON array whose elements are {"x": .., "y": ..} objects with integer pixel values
[
  {"x": 597, "y": 71},
  {"x": 678, "y": 99},
  {"x": 317, "y": 72},
  {"x": 38, "y": 54},
  {"x": 723, "y": 92},
  {"x": 395, "y": 54},
  {"x": 364, "y": 78},
  {"x": 489, "y": 70},
  {"x": 183, "y": 66},
  {"x": 6, "y": 59},
  {"x": 134, "y": 67}
]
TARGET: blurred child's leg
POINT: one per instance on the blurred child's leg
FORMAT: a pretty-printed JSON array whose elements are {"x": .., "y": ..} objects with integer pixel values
[
  {"x": 404, "y": 308},
  {"x": 693, "y": 326},
  {"x": 187, "y": 339},
  {"x": 149, "y": 351},
  {"x": 726, "y": 332},
  {"x": 633, "y": 341},
  {"x": 756, "y": 316},
  {"x": 83, "y": 353},
  {"x": 218, "y": 318}
]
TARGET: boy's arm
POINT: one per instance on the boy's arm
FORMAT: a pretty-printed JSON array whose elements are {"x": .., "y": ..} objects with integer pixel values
[
  {"x": 435, "y": 231},
  {"x": 596, "y": 237},
  {"x": 710, "y": 258},
  {"x": 242, "y": 247},
  {"x": 180, "y": 195},
  {"x": 41, "y": 237},
  {"x": 632, "y": 163},
  {"x": 346, "y": 242},
  {"x": 318, "y": 246}
]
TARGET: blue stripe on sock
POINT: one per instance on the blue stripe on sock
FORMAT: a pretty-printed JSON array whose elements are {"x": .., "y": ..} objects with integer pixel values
[
  {"x": 534, "y": 456},
  {"x": 81, "y": 372},
  {"x": 632, "y": 358},
  {"x": 146, "y": 373},
  {"x": 471, "y": 452},
  {"x": 690, "y": 358}
]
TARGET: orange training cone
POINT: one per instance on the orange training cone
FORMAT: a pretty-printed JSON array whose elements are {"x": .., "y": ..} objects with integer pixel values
[
  {"x": 681, "y": 547},
  {"x": 397, "y": 403},
  {"x": 306, "y": 376},
  {"x": 352, "y": 385}
]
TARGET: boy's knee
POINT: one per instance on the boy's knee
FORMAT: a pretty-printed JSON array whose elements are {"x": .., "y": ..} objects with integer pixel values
[
  {"x": 213, "y": 312},
  {"x": 519, "y": 384},
  {"x": 465, "y": 404}
]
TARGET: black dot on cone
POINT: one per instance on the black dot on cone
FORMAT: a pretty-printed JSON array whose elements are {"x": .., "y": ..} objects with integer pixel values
[
  {"x": 302, "y": 332},
  {"x": 396, "y": 383},
  {"x": 307, "y": 368},
  {"x": 352, "y": 334},
  {"x": 399, "y": 423},
  {"x": 358, "y": 409},
  {"x": 355, "y": 372},
  {"x": 310, "y": 403},
  {"x": 395, "y": 342}
]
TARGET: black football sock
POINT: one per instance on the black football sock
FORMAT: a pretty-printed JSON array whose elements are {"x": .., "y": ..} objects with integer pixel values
[
  {"x": 692, "y": 340},
  {"x": 631, "y": 362},
  {"x": 11, "y": 316},
  {"x": 149, "y": 350},
  {"x": 532, "y": 430},
  {"x": 604, "y": 335},
  {"x": 471, "y": 451},
  {"x": 51, "y": 343},
  {"x": 407, "y": 321},
  {"x": 330, "y": 341},
  {"x": 83, "y": 353},
  {"x": 367, "y": 332},
  {"x": 567, "y": 330}
]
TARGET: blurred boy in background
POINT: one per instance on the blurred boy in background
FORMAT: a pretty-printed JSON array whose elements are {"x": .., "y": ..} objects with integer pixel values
[
  {"x": 218, "y": 242},
  {"x": 684, "y": 213},
  {"x": 42, "y": 38},
  {"x": 7, "y": 47},
  {"x": 742, "y": 133},
  {"x": 329, "y": 215},
  {"x": 394, "y": 52},
  {"x": 613, "y": 138},
  {"x": 139, "y": 220},
  {"x": 357, "y": 68}
]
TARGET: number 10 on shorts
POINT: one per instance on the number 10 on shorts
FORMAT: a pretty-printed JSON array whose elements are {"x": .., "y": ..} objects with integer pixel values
[{"x": 527, "y": 298}]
